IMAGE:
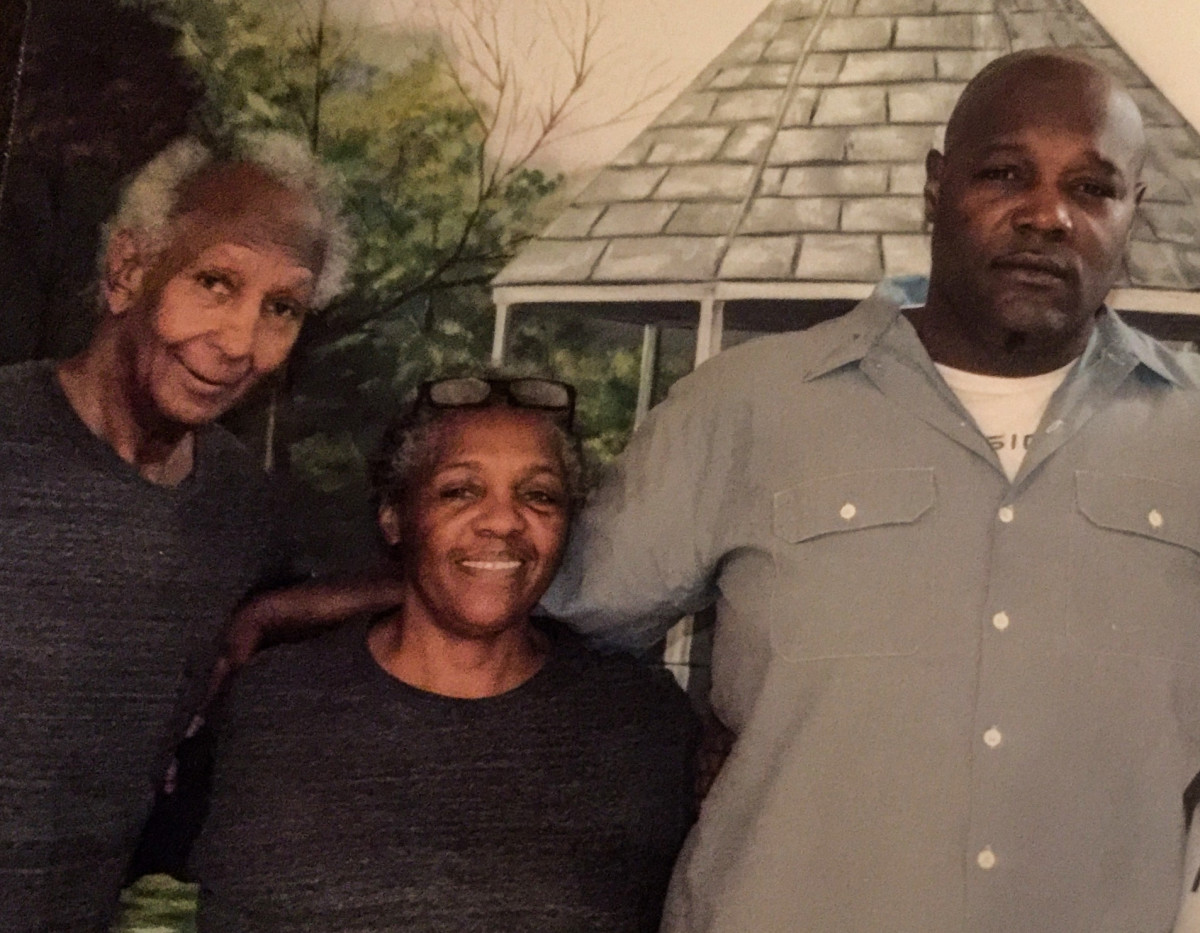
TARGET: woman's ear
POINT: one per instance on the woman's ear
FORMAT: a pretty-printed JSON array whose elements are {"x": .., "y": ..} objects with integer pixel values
[
  {"x": 124, "y": 271},
  {"x": 389, "y": 524}
]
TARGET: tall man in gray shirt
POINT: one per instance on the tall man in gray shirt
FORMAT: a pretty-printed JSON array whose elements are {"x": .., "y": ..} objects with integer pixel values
[
  {"x": 130, "y": 525},
  {"x": 964, "y": 672}
]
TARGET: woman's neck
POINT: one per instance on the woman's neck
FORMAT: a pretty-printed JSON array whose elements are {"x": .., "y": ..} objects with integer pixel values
[{"x": 437, "y": 661}]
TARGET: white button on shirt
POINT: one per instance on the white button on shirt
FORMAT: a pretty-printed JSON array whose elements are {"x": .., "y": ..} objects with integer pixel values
[
  {"x": 1155, "y": 519},
  {"x": 848, "y": 511},
  {"x": 1000, "y": 621},
  {"x": 986, "y": 859},
  {"x": 1006, "y": 514},
  {"x": 992, "y": 737}
]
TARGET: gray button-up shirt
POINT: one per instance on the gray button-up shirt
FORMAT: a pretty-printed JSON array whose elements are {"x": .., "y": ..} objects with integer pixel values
[{"x": 962, "y": 703}]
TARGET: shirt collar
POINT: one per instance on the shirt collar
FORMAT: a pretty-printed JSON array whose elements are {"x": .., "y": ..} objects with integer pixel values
[
  {"x": 873, "y": 318},
  {"x": 862, "y": 328},
  {"x": 1113, "y": 337}
]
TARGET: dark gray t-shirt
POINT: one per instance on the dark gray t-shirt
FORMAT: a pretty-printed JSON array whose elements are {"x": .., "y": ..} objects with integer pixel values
[
  {"x": 347, "y": 800},
  {"x": 112, "y": 594}
]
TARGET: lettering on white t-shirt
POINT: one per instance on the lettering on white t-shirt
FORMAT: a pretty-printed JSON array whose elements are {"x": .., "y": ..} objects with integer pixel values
[{"x": 1006, "y": 410}]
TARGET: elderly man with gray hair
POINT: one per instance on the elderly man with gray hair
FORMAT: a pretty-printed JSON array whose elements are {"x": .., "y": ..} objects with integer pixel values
[{"x": 130, "y": 524}]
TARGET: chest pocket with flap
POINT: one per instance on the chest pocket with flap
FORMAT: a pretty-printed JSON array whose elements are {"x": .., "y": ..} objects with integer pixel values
[
  {"x": 1135, "y": 567},
  {"x": 849, "y": 581}
]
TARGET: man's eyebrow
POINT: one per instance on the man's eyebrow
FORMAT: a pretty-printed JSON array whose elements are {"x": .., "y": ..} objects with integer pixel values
[{"x": 1093, "y": 160}]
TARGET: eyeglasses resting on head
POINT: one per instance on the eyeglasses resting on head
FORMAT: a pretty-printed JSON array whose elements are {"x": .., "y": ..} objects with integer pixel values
[{"x": 555, "y": 398}]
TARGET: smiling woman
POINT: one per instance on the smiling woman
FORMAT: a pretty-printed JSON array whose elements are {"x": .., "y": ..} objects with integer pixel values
[{"x": 455, "y": 765}]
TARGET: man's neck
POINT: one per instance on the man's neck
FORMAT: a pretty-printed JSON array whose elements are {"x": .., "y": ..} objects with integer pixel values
[
  {"x": 98, "y": 387},
  {"x": 1007, "y": 354}
]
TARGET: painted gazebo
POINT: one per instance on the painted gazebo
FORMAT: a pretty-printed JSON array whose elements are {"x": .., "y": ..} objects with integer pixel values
[{"x": 785, "y": 183}]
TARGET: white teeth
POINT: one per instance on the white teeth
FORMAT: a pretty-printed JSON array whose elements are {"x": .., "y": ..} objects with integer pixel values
[{"x": 491, "y": 564}]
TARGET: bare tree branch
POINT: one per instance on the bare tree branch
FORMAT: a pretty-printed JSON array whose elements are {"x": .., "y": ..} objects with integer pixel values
[{"x": 492, "y": 56}]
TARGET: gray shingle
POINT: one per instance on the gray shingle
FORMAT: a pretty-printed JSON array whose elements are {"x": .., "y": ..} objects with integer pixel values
[
  {"x": 709, "y": 182},
  {"x": 821, "y": 67},
  {"x": 705, "y": 219},
  {"x": 633, "y": 154},
  {"x": 835, "y": 181},
  {"x": 951, "y": 31},
  {"x": 871, "y": 67},
  {"x": 757, "y": 104},
  {"x": 634, "y": 218},
  {"x": 789, "y": 44},
  {"x": 858, "y": 33},
  {"x": 927, "y": 102},
  {"x": 892, "y": 7},
  {"x": 1162, "y": 187},
  {"x": 851, "y": 106},
  {"x": 800, "y": 108},
  {"x": 963, "y": 65},
  {"x": 1189, "y": 265},
  {"x": 621, "y": 185},
  {"x": 889, "y": 143},
  {"x": 883, "y": 215},
  {"x": 1154, "y": 265},
  {"x": 795, "y": 9},
  {"x": 905, "y": 254},
  {"x": 760, "y": 257},
  {"x": 659, "y": 259},
  {"x": 1156, "y": 109},
  {"x": 829, "y": 256},
  {"x": 771, "y": 75},
  {"x": 907, "y": 178},
  {"x": 552, "y": 261},
  {"x": 1029, "y": 30},
  {"x": 964, "y": 6},
  {"x": 1119, "y": 64},
  {"x": 1074, "y": 31},
  {"x": 573, "y": 223},
  {"x": 770, "y": 181},
  {"x": 693, "y": 107},
  {"x": 808, "y": 145},
  {"x": 787, "y": 215},
  {"x": 691, "y": 144},
  {"x": 1177, "y": 223},
  {"x": 748, "y": 143}
]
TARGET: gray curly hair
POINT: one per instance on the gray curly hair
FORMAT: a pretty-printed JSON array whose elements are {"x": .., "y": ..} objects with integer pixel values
[
  {"x": 150, "y": 201},
  {"x": 413, "y": 441}
]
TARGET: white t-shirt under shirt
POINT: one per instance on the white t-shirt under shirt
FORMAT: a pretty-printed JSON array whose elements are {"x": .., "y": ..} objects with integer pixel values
[{"x": 1007, "y": 410}]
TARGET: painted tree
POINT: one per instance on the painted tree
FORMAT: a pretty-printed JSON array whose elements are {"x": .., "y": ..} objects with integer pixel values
[{"x": 438, "y": 131}]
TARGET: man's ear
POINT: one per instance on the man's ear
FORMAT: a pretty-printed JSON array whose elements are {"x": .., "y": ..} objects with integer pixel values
[
  {"x": 124, "y": 271},
  {"x": 933, "y": 183},
  {"x": 389, "y": 524}
]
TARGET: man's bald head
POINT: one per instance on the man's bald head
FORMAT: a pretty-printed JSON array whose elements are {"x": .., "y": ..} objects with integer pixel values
[{"x": 1038, "y": 85}]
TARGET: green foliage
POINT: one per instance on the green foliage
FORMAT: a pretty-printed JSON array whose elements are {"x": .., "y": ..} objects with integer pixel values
[{"x": 156, "y": 904}]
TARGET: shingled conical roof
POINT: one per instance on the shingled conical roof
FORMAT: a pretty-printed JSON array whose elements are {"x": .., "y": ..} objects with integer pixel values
[{"x": 792, "y": 167}]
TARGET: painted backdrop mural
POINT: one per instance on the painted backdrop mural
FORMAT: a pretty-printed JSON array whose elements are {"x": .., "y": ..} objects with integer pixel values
[{"x": 460, "y": 128}]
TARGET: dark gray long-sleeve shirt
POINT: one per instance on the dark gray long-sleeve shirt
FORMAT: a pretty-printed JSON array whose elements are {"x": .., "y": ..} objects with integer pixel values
[
  {"x": 347, "y": 800},
  {"x": 112, "y": 594}
]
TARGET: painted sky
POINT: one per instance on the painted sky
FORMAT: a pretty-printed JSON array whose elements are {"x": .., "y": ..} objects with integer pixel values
[{"x": 644, "y": 44}]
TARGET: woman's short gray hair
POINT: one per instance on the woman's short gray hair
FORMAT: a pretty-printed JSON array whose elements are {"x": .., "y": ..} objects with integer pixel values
[
  {"x": 412, "y": 443},
  {"x": 149, "y": 203}
]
